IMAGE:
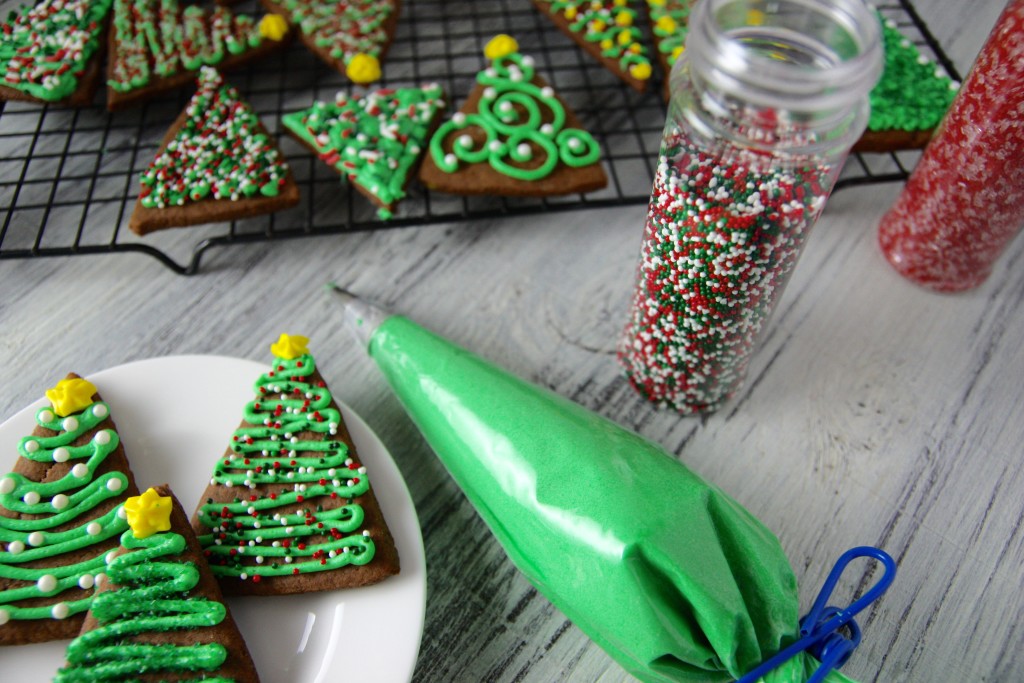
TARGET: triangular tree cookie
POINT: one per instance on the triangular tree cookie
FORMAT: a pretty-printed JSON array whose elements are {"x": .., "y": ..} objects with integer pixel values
[
  {"x": 159, "y": 614},
  {"x": 290, "y": 508},
  {"x": 340, "y": 31},
  {"x": 376, "y": 141},
  {"x": 59, "y": 515},
  {"x": 159, "y": 45},
  {"x": 606, "y": 29},
  {"x": 52, "y": 51},
  {"x": 513, "y": 137},
  {"x": 670, "y": 22},
  {"x": 217, "y": 163},
  {"x": 910, "y": 99}
]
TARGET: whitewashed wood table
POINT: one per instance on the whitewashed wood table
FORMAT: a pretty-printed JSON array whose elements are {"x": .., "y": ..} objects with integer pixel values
[{"x": 876, "y": 412}]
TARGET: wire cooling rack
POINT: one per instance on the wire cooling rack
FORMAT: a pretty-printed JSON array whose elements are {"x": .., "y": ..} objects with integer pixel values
[{"x": 69, "y": 178}]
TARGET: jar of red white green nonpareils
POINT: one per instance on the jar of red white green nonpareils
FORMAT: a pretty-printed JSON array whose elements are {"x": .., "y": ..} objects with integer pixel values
[{"x": 766, "y": 101}]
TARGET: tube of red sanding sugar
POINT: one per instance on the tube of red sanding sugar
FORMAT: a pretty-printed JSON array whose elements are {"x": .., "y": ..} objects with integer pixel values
[{"x": 964, "y": 202}]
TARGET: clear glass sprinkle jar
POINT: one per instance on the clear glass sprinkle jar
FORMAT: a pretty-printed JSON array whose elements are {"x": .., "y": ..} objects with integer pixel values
[{"x": 765, "y": 103}]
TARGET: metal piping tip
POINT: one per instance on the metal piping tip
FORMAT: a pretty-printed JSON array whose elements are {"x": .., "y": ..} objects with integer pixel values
[{"x": 361, "y": 317}]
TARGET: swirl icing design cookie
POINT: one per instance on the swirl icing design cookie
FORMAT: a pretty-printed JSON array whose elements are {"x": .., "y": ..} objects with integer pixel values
[
  {"x": 376, "y": 141},
  {"x": 290, "y": 508},
  {"x": 514, "y": 137},
  {"x": 60, "y": 514},
  {"x": 159, "y": 615},
  {"x": 217, "y": 163},
  {"x": 159, "y": 45},
  {"x": 51, "y": 51}
]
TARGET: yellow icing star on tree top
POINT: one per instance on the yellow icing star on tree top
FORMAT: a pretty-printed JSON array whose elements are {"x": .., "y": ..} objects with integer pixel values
[
  {"x": 71, "y": 395},
  {"x": 148, "y": 513},
  {"x": 289, "y": 346},
  {"x": 363, "y": 68},
  {"x": 273, "y": 26},
  {"x": 500, "y": 45}
]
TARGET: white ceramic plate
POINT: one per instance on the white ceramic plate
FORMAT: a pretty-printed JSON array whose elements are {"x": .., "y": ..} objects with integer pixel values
[{"x": 175, "y": 416}]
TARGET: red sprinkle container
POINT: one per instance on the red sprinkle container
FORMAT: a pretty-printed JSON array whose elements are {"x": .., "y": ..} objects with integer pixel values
[{"x": 964, "y": 202}]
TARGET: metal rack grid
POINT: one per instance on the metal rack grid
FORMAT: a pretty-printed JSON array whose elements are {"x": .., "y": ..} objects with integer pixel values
[{"x": 69, "y": 177}]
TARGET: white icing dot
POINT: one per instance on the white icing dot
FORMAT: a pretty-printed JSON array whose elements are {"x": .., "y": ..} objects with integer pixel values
[
  {"x": 110, "y": 557},
  {"x": 36, "y": 538},
  {"x": 94, "y": 529},
  {"x": 5, "y": 616},
  {"x": 46, "y": 416},
  {"x": 70, "y": 424},
  {"x": 80, "y": 470},
  {"x": 59, "y": 502},
  {"x": 547, "y": 129},
  {"x": 465, "y": 141},
  {"x": 366, "y": 533},
  {"x": 114, "y": 484},
  {"x": 86, "y": 581},
  {"x": 15, "y": 547},
  {"x": 61, "y": 455},
  {"x": 46, "y": 583},
  {"x": 547, "y": 91},
  {"x": 31, "y": 446},
  {"x": 99, "y": 410},
  {"x": 31, "y": 498},
  {"x": 122, "y": 513},
  {"x": 100, "y": 578},
  {"x": 523, "y": 149},
  {"x": 495, "y": 145},
  {"x": 7, "y": 485},
  {"x": 102, "y": 438},
  {"x": 60, "y": 610},
  {"x": 458, "y": 118},
  {"x": 450, "y": 160}
]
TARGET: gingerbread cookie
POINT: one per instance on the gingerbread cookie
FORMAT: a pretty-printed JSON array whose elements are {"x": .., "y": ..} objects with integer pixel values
[
  {"x": 513, "y": 137},
  {"x": 376, "y": 141},
  {"x": 606, "y": 30},
  {"x": 351, "y": 36},
  {"x": 216, "y": 163},
  {"x": 59, "y": 515},
  {"x": 159, "y": 614},
  {"x": 159, "y": 45},
  {"x": 910, "y": 99},
  {"x": 52, "y": 51},
  {"x": 290, "y": 508},
  {"x": 670, "y": 21}
]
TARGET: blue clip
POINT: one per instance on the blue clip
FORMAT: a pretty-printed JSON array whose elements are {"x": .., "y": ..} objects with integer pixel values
[{"x": 819, "y": 629}]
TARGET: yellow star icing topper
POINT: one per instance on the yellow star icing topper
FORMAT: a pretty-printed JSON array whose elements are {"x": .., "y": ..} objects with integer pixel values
[
  {"x": 148, "y": 513},
  {"x": 273, "y": 26},
  {"x": 500, "y": 45},
  {"x": 289, "y": 346},
  {"x": 363, "y": 68},
  {"x": 70, "y": 396}
]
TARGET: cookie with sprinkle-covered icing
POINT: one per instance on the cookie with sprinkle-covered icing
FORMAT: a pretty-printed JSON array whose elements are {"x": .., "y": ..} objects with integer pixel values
[
  {"x": 909, "y": 100},
  {"x": 160, "y": 614},
  {"x": 290, "y": 507},
  {"x": 217, "y": 163},
  {"x": 605, "y": 29},
  {"x": 340, "y": 31},
  {"x": 513, "y": 137},
  {"x": 159, "y": 45},
  {"x": 52, "y": 51},
  {"x": 60, "y": 514},
  {"x": 376, "y": 141}
]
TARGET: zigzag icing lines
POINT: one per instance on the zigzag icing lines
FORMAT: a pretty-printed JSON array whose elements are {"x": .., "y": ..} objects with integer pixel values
[
  {"x": 58, "y": 503},
  {"x": 291, "y": 476}
]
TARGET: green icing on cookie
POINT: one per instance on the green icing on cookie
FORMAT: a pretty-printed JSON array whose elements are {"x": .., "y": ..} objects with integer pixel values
[
  {"x": 670, "y": 20},
  {"x": 516, "y": 123},
  {"x": 913, "y": 93},
  {"x": 221, "y": 152},
  {"x": 611, "y": 25},
  {"x": 158, "y": 39},
  {"x": 48, "y": 520},
  {"x": 152, "y": 597},
  {"x": 375, "y": 140},
  {"x": 344, "y": 28},
  {"x": 45, "y": 48}
]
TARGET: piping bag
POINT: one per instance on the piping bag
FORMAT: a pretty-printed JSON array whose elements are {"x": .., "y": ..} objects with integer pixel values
[{"x": 671, "y": 577}]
